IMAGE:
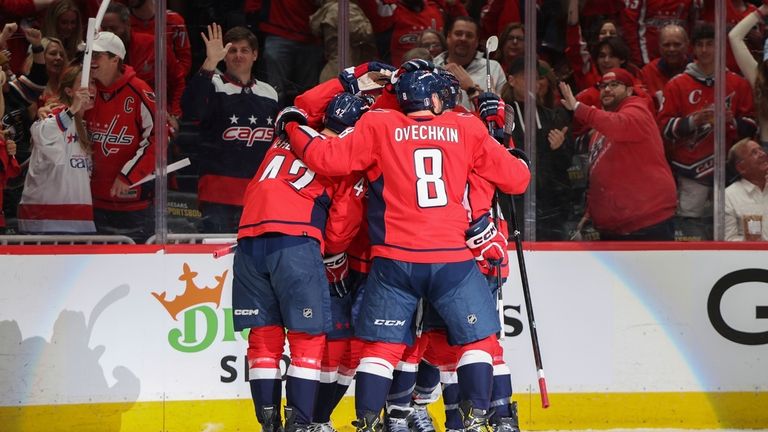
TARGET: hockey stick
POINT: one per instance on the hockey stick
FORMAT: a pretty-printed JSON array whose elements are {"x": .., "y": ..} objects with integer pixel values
[
  {"x": 490, "y": 46},
  {"x": 93, "y": 29},
  {"x": 529, "y": 308},
  {"x": 218, "y": 253}
]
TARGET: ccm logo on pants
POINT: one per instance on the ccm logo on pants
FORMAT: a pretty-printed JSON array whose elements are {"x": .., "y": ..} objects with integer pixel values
[
  {"x": 246, "y": 311},
  {"x": 389, "y": 323}
]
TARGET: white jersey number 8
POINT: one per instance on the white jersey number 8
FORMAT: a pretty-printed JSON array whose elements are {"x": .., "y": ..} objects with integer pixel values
[{"x": 430, "y": 187}]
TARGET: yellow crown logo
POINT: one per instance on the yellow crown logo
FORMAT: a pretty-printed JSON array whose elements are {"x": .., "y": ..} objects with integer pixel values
[{"x": 193, "y": 295}]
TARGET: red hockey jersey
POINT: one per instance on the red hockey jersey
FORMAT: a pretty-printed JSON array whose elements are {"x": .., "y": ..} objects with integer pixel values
[
  {"x": 417, "y": 169},
  {"x": 121, "y": 127},
  {"x": 641, "y": 21},
  {"x": 691, "y": 149},
  {"x": 286, "y": 197}
]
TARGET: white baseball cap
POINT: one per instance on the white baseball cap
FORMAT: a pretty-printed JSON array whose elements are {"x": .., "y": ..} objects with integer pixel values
[{"x": 109, "y": 42}]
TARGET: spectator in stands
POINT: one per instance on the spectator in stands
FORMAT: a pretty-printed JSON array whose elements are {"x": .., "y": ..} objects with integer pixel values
[
  {"x": 511, "y": 45},
  {"x": 24, "y": 12},
  {"x": 610, "y": 53},
  {"x": 746, "y": 200},
  {"x": 411, "y": 17},
  {"x": 755, "y": 73},
  {"x": 57, "y": 188},
  {"x": 56, "y": 60},
  {"x": 642, "y": 20},
  {"x": 140, "y": 54},
  {"x": 63, "y": 22},
  {"x": 20, "y": 94},
  {"x": 674, "y": 48},
  {"x": 607, "y": 29},
  {"x": 143, "y": 21},
  {"x": 735, "y": 11},
  {"x": 9, "y": 166},
  {"x": 496, "y": 15},
  {"x": 177, "y": 40},
  {"x": 292, "y": 56},
  {"x": 468, "y": 64},
  {"x": 236, "y": 114},
  {"x": 631, "y": 193},
  {"x": 552, "y": 156},
  {"x": 121, "y": 128},
  {"x": 686, "y": 120},
  {"x": 432, "y": 40},
  {"x": 579, "y": 53},
  {"x": 362, "y": 47}
]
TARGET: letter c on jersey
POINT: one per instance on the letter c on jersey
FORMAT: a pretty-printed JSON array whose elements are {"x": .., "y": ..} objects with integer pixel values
[
  {"x": 715, "y": 302},
  {"x": 694, "y": 97}
]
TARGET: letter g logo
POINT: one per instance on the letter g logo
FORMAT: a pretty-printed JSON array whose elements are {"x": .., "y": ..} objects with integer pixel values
[{"x": 715, "y": 301}]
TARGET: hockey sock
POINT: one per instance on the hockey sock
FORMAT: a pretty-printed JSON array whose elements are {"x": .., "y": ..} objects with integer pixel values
[
  {"x": 502, "y": 391},
  {"x": 326, "y": 394},
  {"x": 427, "y": 380},
  {"x": 451, "y": 398},
  {"x": 265, "y": 348},
  {"x": 475, "y": 372},
  {"x": 303, "y": 377},
  {"x": 374, "y": 375}
]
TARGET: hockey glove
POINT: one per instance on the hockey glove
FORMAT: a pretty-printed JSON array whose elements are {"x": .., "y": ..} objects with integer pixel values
[
  {"x": 287, "y": 115},
  {"x": 337, "y": 271},
  {"x": 491, "y": 109},
  {"x": 516, "y": 152},
  {"x": 349, "y": 76},
  {"x": 412, "y": 66},
  {"x": 487, "y": 244}
]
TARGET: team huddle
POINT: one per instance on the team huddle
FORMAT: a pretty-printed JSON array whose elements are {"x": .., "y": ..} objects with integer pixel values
[{"x": 368, "y": 239}]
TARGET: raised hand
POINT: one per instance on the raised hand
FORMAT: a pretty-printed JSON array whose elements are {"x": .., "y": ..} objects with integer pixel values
[
  {"x": 81, "y": 101},
  {"x": 351, "y": 76},
  {"x": 215, "y": 50},
  {"x": 34, "y": 36},
  {"x": 569, "y": 100},
  {"x": 8, "y": 30}
]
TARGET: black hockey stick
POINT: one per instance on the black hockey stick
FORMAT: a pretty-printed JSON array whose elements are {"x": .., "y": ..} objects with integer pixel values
[{"x": 490, "y": 46}]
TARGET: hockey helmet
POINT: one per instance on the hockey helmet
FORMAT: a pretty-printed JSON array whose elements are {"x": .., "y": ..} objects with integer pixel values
[
  {"x": 452, "y": 92},
  {"x": 414, "y": 90},
  {"x": 344, "y": 111}
]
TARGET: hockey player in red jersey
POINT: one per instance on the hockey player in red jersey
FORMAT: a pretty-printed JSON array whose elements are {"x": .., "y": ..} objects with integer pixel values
[
  {"x": 342, "y": 351},
  {"x": 291, "y": 216},
  {"x": 417, "y": 164}
]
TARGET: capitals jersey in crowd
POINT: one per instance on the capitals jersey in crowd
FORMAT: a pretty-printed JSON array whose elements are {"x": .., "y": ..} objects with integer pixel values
[
  {"x": 121, "y": 128},
  {"x": 57, "y": 190},
  {"x": 237, "y": 126},
  {"x": 641, "y": 21},
  {"x": 417, "y": 169},
  {"x": 691, "y": 149},
  {"x": 286, "y": 197}
]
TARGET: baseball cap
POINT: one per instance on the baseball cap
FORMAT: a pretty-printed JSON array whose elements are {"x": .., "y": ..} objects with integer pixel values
[
  {"x": 618, "y": 74},
  {"x": 109, "y": 42}
]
